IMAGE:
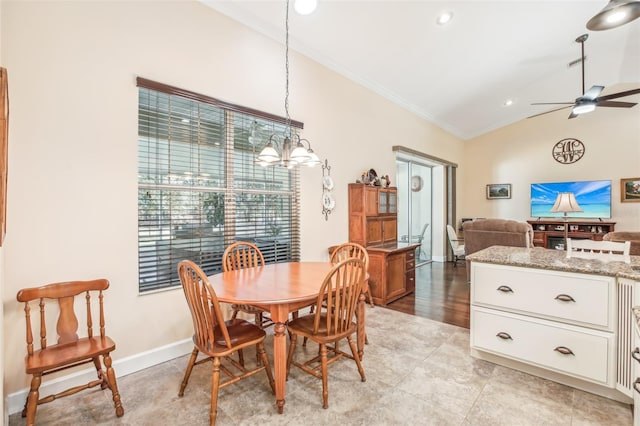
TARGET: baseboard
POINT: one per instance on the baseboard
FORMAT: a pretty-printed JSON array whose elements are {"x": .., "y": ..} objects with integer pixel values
[{"x": 15, "y": 401}]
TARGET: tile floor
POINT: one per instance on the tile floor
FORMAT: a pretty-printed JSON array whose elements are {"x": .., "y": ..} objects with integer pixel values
[{"x": 423, "y": 375}]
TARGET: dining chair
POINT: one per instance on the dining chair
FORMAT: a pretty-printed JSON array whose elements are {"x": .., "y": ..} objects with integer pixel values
[
  {"x": 242, "y": 255},
  {"x": 217, "y": 338},
  {"x": 333, "y": 321},
  {"x": 347, "y": 250},
  {"x": 456, "y": 244},
  {"x": 603, "y": 250},
  {"x": 70, "y": 349}
]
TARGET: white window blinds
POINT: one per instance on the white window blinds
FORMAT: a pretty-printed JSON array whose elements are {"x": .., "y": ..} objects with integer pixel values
[{"x": 200, "y": 189}]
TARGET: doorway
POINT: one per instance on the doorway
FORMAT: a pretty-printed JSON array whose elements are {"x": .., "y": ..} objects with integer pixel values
[{"x": 415, "y": 204}]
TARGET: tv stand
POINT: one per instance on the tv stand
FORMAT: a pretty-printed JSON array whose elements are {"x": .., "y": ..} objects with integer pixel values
[{"x": 549, "y": 232}]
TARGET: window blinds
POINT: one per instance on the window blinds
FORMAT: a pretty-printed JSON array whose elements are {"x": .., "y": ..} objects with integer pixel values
[{"x": 200, "y": 189}]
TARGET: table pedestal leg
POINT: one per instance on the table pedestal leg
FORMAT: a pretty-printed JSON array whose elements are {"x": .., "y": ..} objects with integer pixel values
[{"x": 280, "y": 316}]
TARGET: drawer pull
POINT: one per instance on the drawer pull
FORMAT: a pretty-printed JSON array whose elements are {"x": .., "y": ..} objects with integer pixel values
[
  {"x": 565, "y": 298},
  {"x": 636, "y": 354},
  {"x": 564, "y": 350},
  {"x": 504, "y": 336},
  {"x": 505, "y": 289},
  {"x": 635, "y": 384}
]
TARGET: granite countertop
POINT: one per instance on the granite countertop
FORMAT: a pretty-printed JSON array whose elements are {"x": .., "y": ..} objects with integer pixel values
[{"x": 551, "y": 259}]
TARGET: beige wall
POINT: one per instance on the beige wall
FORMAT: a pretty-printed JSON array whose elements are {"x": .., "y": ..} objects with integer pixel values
[
  {"x": 73, "y": 175},
  {"x": 520, "y": 154}
]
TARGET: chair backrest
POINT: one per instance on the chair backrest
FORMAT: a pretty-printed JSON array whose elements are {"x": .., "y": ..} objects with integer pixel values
[
  {"x": 241, "y": 255},
  {"x": 64, "y": 294},
  {"x": 346, "y": 250},
  {"x": 339, "y": 295},
  {"x": 204, "y": 306},
  {"x": 453, "y": 238},
  {"x": 603, "y": 250},
  {"x": 420, "y": 237}
]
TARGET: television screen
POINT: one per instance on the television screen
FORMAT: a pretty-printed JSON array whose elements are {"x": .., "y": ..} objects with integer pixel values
[{"x": 594, "y": 198}]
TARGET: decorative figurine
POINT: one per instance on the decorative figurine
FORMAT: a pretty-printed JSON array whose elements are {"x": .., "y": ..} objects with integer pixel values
[{"x": 387, "y": 181}]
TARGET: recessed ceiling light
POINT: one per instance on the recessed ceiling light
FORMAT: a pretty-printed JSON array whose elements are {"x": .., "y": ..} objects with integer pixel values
[
  {"x": 507, "y": 102},
  {"x": 305, "y": 7},
  {"x": 444, "y": 18}
]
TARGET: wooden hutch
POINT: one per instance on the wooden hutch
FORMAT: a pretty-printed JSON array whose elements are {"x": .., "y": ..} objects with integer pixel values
[{"x": 373, "y": 223}]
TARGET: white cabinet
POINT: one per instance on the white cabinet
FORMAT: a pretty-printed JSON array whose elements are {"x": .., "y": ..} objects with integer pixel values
[{"x": 557, "y": 322}]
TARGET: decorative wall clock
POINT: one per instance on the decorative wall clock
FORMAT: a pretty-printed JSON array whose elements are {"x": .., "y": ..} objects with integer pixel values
[{"x": 568, "y": 151}]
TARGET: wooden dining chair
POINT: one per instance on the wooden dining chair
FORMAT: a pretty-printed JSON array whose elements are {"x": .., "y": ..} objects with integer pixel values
[
  {"x": 347, "y": 250},
  {"x": 242, "y": 255},
  {"x": 70, "y": 350},
  {"x": 217, "y": 338},
  {"x": 333, "y": 321}
]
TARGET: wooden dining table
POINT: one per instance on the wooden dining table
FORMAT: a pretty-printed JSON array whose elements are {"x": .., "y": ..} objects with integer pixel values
[{"x": 280, "y": 288}]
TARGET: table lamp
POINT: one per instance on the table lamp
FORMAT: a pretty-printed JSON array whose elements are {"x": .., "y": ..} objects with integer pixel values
[{"x": 566, "y": 203}]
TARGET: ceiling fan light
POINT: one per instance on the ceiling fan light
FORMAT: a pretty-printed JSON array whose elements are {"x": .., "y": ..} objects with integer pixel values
[
  {"x": 584, "y": 108},
  {"x": 615, "y": 14}
]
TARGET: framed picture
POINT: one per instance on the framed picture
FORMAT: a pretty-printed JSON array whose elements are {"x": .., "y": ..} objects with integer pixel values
[
  {"x": 630, "y": 190},
  {"x": 498, "y": 190}
]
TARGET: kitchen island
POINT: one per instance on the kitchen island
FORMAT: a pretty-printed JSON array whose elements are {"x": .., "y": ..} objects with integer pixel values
[{"x": 565, "y": 319}]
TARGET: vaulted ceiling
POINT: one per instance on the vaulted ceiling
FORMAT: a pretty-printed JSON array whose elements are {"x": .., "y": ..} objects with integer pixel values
[{"x": 459, "y": 76}]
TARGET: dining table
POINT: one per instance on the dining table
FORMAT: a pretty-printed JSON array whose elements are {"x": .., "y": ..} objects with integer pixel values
[{"x": 280, "y": 289}]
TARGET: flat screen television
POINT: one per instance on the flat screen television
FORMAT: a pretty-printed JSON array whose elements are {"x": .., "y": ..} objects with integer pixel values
[{"x": 593, "y": 196}]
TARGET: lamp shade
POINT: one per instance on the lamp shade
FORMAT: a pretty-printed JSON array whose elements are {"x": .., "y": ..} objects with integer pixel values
[
  {"x": 566, "y": 203},
  {"x": 615, "y": 14}
]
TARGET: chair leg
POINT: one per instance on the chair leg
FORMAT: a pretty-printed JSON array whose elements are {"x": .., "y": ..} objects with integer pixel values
[
  {"x": 215, "y": 387},
  {"x": 241, "y": 357},
  {"x": 111, "y": 377},
  {"x": 325, "y": 381},
  {"x": 292, "y": 348},
  {"x": 356, "y": 357},
  {"x": 190, "y": 364},
  {"x": 32, "y": 400},
  {"x": 258, "y": 321},
  {"x": 267, "y": 366},
  {"x": 101, "y": 375}
]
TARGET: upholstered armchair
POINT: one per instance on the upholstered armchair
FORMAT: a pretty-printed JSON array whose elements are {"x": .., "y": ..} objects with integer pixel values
[
  {"x": 621, "y": 236},
  {"x": 480, "y": 234}
]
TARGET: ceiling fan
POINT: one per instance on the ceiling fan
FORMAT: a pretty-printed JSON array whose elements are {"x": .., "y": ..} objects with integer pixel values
[{"x": 590, "y": 99}]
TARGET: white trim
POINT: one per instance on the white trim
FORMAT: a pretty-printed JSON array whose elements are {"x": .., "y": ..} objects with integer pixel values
[{"x": 132, "y": 364}]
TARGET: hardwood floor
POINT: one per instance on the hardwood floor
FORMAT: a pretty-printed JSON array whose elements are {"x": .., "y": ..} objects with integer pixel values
[{"x": 442, "y": 294}]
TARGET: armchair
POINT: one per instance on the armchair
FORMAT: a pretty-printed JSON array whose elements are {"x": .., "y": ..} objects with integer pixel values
[
  {"x": 621, "y": 236},
  {"x": 480, "y": 234}
]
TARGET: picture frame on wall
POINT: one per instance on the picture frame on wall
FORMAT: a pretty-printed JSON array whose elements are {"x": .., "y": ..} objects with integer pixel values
[
  {"x": 497, "y": 191},
  {"x": 630, "y": 190}
]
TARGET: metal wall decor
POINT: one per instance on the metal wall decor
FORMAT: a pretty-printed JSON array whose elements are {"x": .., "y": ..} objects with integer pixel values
[
  {"x": 328, "y": 202},
  {"x": 568, "y": 151}
]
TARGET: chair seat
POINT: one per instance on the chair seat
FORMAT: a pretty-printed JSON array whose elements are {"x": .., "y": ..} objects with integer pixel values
[
  {"x": 305, "y": 325},
  {"x": 55, "y": 356},
  {"x": 241, "y": 333}
]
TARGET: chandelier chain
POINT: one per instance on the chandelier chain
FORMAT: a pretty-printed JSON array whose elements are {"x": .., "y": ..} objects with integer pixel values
[{"x": 286, "y": 55}]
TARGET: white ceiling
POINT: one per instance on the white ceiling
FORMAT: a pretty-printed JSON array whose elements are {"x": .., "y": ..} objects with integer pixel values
[{"x": 459, "y": 75}]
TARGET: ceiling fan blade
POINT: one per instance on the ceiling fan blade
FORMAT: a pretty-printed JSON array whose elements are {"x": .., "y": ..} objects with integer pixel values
[
  {"x": 618, "y": 95},
  {"x": 553, "y": 110},
  {"x": 615, "y": 104},
  {"x": 592, "y": 93},
  {"x": 553, "y": 103}
]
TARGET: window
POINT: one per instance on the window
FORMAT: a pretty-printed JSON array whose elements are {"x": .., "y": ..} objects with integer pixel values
[{"x": 200, "y": 189}]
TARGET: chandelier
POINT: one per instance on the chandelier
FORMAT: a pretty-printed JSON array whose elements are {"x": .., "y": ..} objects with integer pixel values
[{"x": 287, "y": 149}]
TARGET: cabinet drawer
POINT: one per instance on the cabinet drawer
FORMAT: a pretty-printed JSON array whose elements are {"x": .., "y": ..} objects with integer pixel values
[
  {"x": 577, "y": 298},
  {"x": 540, "y": 343}
]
